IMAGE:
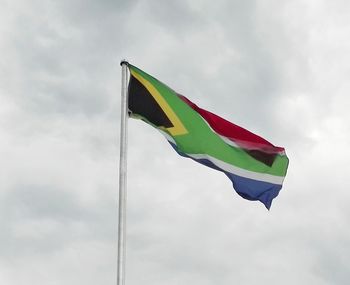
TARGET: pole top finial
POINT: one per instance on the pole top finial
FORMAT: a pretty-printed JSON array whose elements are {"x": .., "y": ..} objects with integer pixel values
[{"x": 124, "y": 61}]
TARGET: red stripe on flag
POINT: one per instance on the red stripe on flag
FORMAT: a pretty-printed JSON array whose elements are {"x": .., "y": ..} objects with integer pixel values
[{"x": 240, "y": 136}]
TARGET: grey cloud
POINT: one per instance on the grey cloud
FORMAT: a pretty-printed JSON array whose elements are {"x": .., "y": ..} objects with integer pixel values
[
  {"x": 268, "y": 67},
  {"x": 57, "y": 62}
]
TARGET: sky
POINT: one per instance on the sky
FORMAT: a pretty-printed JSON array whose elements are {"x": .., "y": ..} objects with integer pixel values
[{"x": 278, "y": 68}]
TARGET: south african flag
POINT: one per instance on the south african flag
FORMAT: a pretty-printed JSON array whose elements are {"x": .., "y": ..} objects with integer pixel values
[{"x": 256, "y": 167}]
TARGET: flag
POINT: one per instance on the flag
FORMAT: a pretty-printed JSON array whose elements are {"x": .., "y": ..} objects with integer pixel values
[{"x": 255, "y": 167}]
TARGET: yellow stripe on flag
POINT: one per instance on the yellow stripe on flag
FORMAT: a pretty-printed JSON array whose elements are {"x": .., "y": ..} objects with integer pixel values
[{"x": 178, "y": 128}]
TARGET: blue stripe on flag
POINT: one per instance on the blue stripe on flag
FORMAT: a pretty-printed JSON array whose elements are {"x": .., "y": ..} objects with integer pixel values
[{"x": 247, "y": 188}]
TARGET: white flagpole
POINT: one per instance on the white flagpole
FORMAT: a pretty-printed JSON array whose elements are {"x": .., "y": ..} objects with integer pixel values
[{"x": 122, "y": 177}]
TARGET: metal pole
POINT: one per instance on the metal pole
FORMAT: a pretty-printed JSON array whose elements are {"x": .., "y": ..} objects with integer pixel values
[{"x": 122, "y": 178}]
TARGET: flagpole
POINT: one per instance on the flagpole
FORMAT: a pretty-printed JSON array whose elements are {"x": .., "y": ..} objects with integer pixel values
[{"x": 122, "y": 178}]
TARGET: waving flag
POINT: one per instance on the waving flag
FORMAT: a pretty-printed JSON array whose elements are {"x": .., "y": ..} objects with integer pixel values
[{"x": 255, "y": 166}]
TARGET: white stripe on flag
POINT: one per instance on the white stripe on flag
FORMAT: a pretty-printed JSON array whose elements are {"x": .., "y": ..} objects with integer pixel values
[{"x": 240, "y": 171}]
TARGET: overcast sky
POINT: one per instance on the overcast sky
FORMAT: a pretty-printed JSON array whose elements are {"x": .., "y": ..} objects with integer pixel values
[{"x": 279, "y": 68}]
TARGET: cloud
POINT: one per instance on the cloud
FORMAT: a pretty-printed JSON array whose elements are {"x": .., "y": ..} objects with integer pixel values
[{"x": 279, "y": 69}]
